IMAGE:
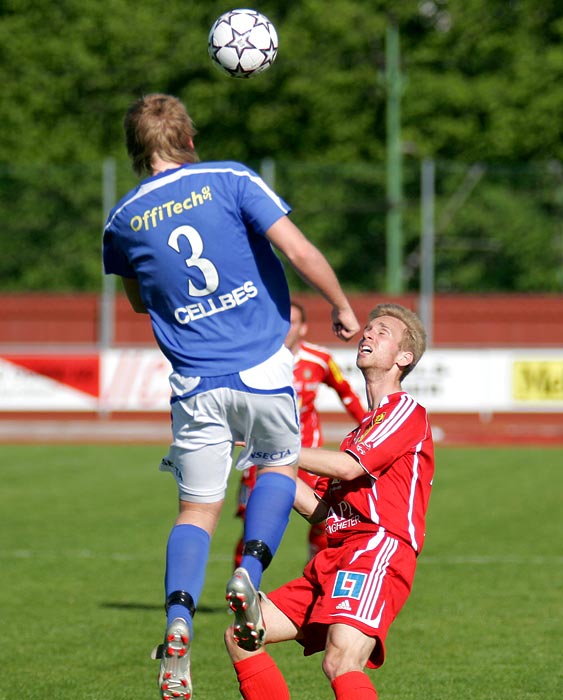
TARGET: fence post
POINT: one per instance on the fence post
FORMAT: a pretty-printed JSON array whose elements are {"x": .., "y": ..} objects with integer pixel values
[
  {"x": 268, "y": 171},
  {"x": 427, "y": 243},
  {"x": 106, "y": 328},
  {"x": 107, "y": 311},
  {"x": 394, "y": 233}
]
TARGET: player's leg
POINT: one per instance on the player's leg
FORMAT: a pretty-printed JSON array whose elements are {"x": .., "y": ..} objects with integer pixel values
[
  {"x": 186, "y": 558},
  {"x": 247, "y": 483},
  {"x": 316, "y": 539},
  {"x": 353, "y": 685},
  {"x": 238, "y": 552},
  {"x": 200, "y": 463},
  {"x": 266, "y": 518},
  {"x": 264, "y": 417},
  {"x": 365, "y": 591},
  {"x": 258, "y": 676},
  {"x": 201, "y": 475},
  {"x": 347, "y": 653}
]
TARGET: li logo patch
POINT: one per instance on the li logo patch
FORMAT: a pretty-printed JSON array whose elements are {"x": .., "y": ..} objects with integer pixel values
[{"x": 348, "y": 584}]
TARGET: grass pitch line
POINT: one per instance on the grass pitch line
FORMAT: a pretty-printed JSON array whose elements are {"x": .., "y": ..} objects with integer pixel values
[
  {"x": 470, "y": 560},
  {"x": 465, "y": 560},
  {"x": 89, "y": 554}
]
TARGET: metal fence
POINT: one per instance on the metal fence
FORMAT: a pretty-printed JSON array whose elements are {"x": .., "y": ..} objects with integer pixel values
[{"x": 476, "y": 227}]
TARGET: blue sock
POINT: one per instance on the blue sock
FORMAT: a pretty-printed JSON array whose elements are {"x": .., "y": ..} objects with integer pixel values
[
  {"x": 186, "y": 561},
  {"x": 267, "y": 516}
]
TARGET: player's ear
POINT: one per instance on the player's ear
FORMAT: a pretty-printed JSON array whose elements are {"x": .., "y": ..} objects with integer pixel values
[
  {"x": 303, "y": 329},
  {"x": 405, "y": 358}
]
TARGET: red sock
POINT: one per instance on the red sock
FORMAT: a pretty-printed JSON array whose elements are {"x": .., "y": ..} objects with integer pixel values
[
  {"x": 354, "y": 685},
  {"x": 317, "y": 539},
  {"x": 260, "y": 679},
  {"x": 238, "y": 553}
]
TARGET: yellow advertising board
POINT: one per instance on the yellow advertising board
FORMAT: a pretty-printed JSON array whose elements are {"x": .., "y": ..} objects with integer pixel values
[{"x": 538, "y": 380}]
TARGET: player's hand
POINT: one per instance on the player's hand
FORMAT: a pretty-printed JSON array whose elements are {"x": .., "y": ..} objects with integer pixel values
[{"x": 344, "y": 323}]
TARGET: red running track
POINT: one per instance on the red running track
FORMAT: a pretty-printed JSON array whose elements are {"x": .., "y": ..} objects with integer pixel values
[{"x": 449, "y": 429}]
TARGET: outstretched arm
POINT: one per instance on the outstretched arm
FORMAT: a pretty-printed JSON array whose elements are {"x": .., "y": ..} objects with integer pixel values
[
  {"x": 314, "y": 268},
  {"x": 338, "y": 465}
]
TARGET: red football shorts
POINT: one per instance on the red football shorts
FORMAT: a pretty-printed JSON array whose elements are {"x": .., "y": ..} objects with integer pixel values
[{"x": 363, "y": 583}]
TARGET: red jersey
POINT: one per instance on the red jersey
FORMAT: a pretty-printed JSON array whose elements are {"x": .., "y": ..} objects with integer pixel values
[
  {"x": 314, "y": 366},
  {"x": 394, "y": 446}
]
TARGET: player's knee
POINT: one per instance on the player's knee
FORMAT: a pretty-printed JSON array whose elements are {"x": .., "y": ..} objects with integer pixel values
[
  {"x": 338, "y": 661},
  {"x": 332, "y": 662}
]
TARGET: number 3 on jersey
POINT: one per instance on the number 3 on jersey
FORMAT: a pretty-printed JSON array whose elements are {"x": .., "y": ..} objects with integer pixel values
[{"x": 206, "y": 267}]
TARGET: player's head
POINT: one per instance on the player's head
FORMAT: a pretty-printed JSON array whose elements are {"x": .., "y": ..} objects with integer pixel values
[
  {"x": 159, "y": 125},
  {"x": 297, "y": 328},
  {"x": 414, "y": 335}
]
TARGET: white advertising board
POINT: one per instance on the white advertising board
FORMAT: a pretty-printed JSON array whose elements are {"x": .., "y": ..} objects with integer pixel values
[
  {"x": 468, "y": 381},
  {"x": 487, "y": 380},
  {"x": 24, "y": 386},
  {"x": 135, "y": 380}
]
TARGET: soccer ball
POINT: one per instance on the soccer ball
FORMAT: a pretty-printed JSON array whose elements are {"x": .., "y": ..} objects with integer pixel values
[{"x": 243, "y": 43}]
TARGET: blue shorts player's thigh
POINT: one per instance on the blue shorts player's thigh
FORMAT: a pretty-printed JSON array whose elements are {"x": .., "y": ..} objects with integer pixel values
[
  {"x": 269, "y": 430},
  {"x": 200, "y": 456}
]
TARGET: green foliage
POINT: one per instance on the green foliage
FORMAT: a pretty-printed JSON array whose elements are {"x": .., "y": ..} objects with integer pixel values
[
  {"x": 504, "y": 236},
  {"x": 482, "y": 82},
  {"x": 82, "y": 557}
]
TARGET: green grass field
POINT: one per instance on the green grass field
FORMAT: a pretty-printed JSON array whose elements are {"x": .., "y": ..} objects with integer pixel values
[{"x": 82, "y": 559}]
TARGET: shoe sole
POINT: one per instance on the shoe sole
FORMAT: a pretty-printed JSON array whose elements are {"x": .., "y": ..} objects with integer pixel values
[
  {"x": 174, "y": 678},
  {"x": 248, "y": 632}
]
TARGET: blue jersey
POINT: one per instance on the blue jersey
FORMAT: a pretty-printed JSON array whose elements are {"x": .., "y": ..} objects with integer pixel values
[{"x": 215, "y": 290}]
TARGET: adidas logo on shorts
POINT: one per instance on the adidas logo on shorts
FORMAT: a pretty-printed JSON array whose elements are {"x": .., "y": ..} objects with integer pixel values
[{"x": 344, "y": 605}]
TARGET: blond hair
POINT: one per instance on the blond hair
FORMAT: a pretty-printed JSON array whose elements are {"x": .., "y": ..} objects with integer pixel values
[
  {"x": 159, "y": 125},
  {"x": 414, "y": 335}
]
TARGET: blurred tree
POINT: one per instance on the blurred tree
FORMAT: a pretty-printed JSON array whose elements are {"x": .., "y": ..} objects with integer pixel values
[{"x": 484, "y": 84}]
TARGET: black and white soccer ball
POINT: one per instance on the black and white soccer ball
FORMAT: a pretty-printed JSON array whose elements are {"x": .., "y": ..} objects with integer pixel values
[{"x": 243, "y": 43}]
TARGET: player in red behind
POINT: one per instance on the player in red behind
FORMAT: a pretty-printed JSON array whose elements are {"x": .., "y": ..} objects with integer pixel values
[
  {"x": 313, "y": 366},
  {"x": 374, "y": 500}
]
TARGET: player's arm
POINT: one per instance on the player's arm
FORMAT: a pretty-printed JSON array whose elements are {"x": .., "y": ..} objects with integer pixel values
[
  {"x": 314, "y": 268},
  {"x": 338, "y": 465},
  {"x": 133, "y": 292},
  {"x": 307, "y": 504},
  {"x": 350, "y": 400}
]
